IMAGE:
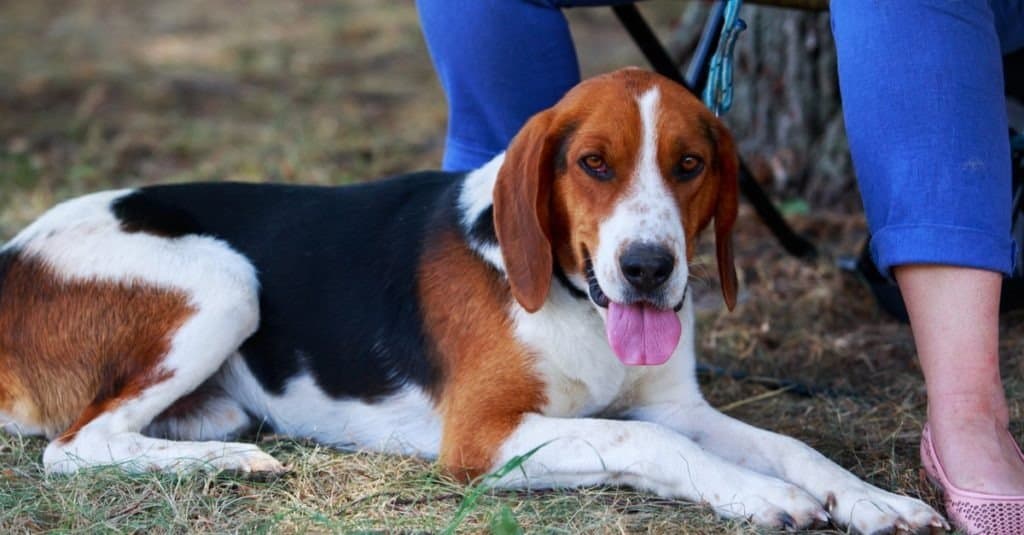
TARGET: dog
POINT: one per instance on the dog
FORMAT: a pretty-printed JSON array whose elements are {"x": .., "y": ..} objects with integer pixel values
[{"x": 541, "y": 303}]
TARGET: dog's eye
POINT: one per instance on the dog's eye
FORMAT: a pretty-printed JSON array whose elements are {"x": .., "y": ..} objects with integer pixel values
[
  {"x": 688, "y": 168},
  {"x": 596, "y": 167}
]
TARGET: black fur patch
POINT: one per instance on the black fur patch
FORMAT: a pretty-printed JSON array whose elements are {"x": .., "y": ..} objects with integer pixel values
[
  {"x": 338, "y": 275},
  {"x": 140, "y": 212},
  {"x": 6, "y": 258},
  {"x": 564, "y": 280},
  {"x": 482, "y": 231}
]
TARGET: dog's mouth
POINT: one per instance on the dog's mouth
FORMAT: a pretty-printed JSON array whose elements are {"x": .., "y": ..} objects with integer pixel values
[
  {"x": 599, "y": 298},
  {"x": 640, "y": 333}
]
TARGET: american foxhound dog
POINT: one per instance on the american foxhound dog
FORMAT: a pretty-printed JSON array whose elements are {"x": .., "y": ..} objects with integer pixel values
[{"x": 541, "y": 300}]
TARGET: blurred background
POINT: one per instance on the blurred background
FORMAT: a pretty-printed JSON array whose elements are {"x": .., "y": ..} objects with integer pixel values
[
  {"x": 110, "y": 93},
  {"x": 98, "y": 94},
  {"x": 107, "y": 93}
]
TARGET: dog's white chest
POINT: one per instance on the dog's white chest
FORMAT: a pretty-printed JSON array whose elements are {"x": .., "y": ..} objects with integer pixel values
[{"x": 582, "y": 375}]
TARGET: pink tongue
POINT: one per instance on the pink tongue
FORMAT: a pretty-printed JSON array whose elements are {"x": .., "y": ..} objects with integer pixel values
[{"x": 642, "y": 335}]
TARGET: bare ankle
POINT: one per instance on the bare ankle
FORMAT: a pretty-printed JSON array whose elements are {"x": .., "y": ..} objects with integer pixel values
[{"x": 963, "y": 407}]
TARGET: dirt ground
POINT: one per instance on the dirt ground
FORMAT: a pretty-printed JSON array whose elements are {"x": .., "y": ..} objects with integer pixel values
[{"x": 114, "y": 93}]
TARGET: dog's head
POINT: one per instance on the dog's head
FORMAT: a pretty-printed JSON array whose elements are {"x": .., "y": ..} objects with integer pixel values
[{"x": 613, "y": 184}]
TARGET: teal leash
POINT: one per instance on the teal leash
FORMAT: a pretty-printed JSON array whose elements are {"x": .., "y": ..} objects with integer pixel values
[{"x": 718, "y": 90}]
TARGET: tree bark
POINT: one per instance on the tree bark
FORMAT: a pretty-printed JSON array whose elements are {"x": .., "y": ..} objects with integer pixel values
[{"x": 786, "y": 112}]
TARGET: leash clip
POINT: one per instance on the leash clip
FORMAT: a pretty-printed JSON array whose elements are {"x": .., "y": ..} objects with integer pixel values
[{"x": 718, "y": 90}]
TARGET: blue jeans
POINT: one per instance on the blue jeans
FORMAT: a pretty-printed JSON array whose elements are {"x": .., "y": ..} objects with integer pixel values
[
  {"x": 500, "y": 62},
  {"x": 922, "y": 90}
]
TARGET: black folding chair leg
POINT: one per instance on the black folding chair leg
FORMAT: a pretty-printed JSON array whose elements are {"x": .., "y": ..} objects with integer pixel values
[
  {"x": 649, "y": 44},
  {"x": 663, "y": 64}
]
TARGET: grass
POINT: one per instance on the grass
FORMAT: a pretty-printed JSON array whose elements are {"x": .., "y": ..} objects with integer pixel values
[{"x": 114, "y": 93}]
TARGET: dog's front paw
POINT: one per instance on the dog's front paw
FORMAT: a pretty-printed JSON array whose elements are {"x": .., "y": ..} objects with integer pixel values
[
  {"x": 871, "y": 510},
  {"x": 775, "y": 504}
]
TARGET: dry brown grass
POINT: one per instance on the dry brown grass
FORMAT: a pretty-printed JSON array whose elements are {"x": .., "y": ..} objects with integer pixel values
[{"x": 114, "y": 93}]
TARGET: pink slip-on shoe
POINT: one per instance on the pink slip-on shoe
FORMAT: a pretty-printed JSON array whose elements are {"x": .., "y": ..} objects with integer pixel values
[{"x": 973, "y": 512}]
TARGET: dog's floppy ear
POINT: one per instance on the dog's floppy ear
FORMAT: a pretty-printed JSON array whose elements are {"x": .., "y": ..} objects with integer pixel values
[
  {"x": 726, "y": 207},
  {"x": 522, "y": 197}
]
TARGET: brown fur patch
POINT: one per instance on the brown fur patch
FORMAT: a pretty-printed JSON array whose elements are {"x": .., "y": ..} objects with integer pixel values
[
  {"x": 488, "y": 381},
  {"x": 522, "y": 199},
  {"x": 70, "y": 350}
]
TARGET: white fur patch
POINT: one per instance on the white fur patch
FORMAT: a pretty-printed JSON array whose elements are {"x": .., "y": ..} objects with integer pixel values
[
  {"x": 581, "y": 373},
  {"x": 476, "y": 197},
  {"x": 404, "y": 423}
]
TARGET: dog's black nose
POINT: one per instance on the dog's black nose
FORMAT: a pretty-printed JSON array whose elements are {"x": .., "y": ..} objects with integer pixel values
[{"x": 646, "y": 266}]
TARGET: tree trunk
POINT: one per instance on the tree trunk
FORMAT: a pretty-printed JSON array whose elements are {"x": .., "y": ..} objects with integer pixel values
[{"x": 786, "y": 113}]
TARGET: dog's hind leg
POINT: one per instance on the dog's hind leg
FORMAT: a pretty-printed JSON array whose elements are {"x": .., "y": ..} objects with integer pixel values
[
  {"x": 103, "y": 329},
  {"x": 108, "y": 431},
  {"x": 223, "y": 311}
]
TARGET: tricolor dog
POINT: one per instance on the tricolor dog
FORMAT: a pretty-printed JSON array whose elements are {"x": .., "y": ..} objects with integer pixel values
[{"x": 543, "y": 299}]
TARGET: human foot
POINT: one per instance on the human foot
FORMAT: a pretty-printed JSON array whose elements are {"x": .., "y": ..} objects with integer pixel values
[
  {"x": 978, "y": 454},
  {"x": 972, "y": 512}
]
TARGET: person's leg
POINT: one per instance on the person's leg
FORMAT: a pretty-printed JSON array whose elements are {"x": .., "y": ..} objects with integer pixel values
[
  {"x": 957, "y": 335},
  {"x": 922, "y": 84},
  {"x": 499, "y": 61}
]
